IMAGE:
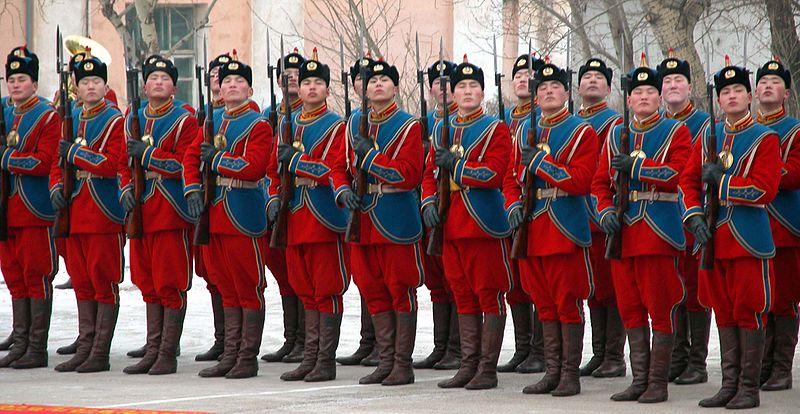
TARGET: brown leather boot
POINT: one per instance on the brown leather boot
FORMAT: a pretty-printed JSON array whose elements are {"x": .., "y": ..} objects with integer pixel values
[
  {"x": 452, "y": 356},
  {"x": 700, "y": 329},
  {"x": 296, "y": 354},
  {"x": 785, "y": 344},
  {"x": 441, "y": 329},
  {"x": 106, "y": 322},
  {"x": 20, "y": 326},
  {"x": 751, "y": 343},
  {"x": 219, "y": 331},
  {"x": 469, "y": 328},
  {"x": 769, "y": 349},
  {"x": 521, "y": 314},
  {"x": 384, "y": 324},
  {"x": 405, "y": 335},
  {"x": 657, "y": 378},
  {"x": 552, "y": 357},
  {"x": 69, "y": 349},
  {"x": 138, "y": 352},
  {"x": 680, "y": 354},
  {"x": 87, "y": 316},
  {"x": 366, "y": 346},
  {"x": 311, "y": 348},
  {"x": 167, "y": 361},
  {"x": 5, "y": 345},
  {"x": 155, "y": 324},
  {"x": 598, "y": 317},
  {"x": 730, "y": 356},
  {"x": 247, "y": 359},
  {"x": 36, "y": 354},
  {"x": 571, "y": 350},
  {"x": 329, "y": 329},
  {"x": 491, "y": 343},
  {"x": 535, "y": 361},
  {"x": 639, "y": 343},
  {"x": 614, "y": 360},
  {"x": 289, "y": 304},
  {"x": 233, "y": 339}
]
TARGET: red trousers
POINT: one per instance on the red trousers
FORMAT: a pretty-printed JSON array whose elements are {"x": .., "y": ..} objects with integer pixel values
[
  {"x": 787, "y": 281},
  {"x": 739, "y": 290},
  {"x": 319, "y": 275},
  {"x": 235, "y": 265},
  {"x": 276, "y": 263},
  {"x": 435, "y": 280},
  {"x": 161, "y": 267},
  {"x": 648, "y": 286},
  {"x": 29, "y": 262},
  {"x": 604, "y": 295},
  {"x": 559, "y": 284},
  {"x": 388, "y": 275},
  {"x": 95, "y": 263},
  {"x": 517, "y": 295},
  {"x": 479, "y": 272},
  {"x": 200, "y": 269},
  {"x": 688, "y": 266}
]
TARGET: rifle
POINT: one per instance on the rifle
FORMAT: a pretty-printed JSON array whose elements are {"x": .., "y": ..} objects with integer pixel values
[
  {"x": 5, "y": 178},
  {"x": 273, "y": 111},
  {"x": 135, "y": 226},
  {"x": 279, "y": 231},
  {"x": 352, "y": 233},
  {"x": 570, "y": 72},
  {"x": 345, "y": 81},
  {"x": 712, "y": 195},
  {"x": 614, "y": 242},
  {"x": 423, "y": 106},
  {"x": 436, "y": 238},
  {"x": 498, "y": 80},
  {"x": 65, "y": 112},
  {"x": 202, "y": 232},
  {"x": 519, "y": 247}
]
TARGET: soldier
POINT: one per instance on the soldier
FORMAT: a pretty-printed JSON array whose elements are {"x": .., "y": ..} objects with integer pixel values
[
  {"x": 316, "y": 254},
  {"x": 557, "y": 272},
  {"x": 161, "y": 260},
  {"x": 95, "y": 244},
  {"x": 646, "y": 279},
  {"x": 773, "y": 83},
  {"x": 446, "y": 353},
  {"x": 608, "y": 334},
  {"x": 387, "y": 260},
  {"x": 692, "y": 320},
  {"x": 28, "y": 257},
  {"x": 476, "y": 260}
]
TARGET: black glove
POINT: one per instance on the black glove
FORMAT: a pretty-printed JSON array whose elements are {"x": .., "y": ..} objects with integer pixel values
[
  {"x": 430, "y": 215},
  {"x": 362, "y": 145},
  {"x": 350, "y": 200},
  {"x": 712, "y": 173},
  {"x": 610, "y": 223},
  {"x": 63, "y": 148},
  {"x": 528, "y": 153},
  {"x": 515, "y": 218},
  {"x": 128, "y": 201},
  {"x": 622, "y": 163},
  {"x": 272, "y": 211},
  {"x": 57, "y": 200},
  {"x": 697, "y": 225},
  {"x": 446, "y": 159},
  {"x": 136, "y": 148},
  {"x": 286, "y": 152},
  {"x": 207, "y": 152},
  {"x": 195, "y": 202}
]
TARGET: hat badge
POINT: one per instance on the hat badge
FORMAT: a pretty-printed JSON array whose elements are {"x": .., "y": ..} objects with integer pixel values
[
  {"x": 14, "y": 65},
  {"x": 773, "y": 66},
  {"x": 642, "y": 76},
  {"x": 547, "y": 71},
  {"x": 293, "y": 59},
  {"x": 224, "y": 59},
  {"x": 364, "y": 62},
  {"x": 312, "y": 66},
  {"x": 440, "y": 66},
  {"x": 522, "y": 62},
  {"x": 161, "y": 64},
  {"x": 467, "y": 70},
  {"x": 88, "y": 66},
  {"x": 18, "y": 52},
  {"x": 730, "y": 73},
  {"x": 78, "y": 58},
  {"x": 672, "y": 64},
  {"x": 233, "y": 66},
  {"x": 594, "y": 64},
  {"x": 378, "y": 68}
]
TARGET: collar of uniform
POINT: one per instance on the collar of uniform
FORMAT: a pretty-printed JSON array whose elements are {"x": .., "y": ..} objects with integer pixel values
[
  {"x": 296, "y": 104},
  {"x": 452, "y": 108},
  {"x": 471, "y": 117},
  {"x": 740, "y": 124},
  {"x": 161, "y": 110},
  {"x": 683, "y": 113},
  {"x": 234, "y": 112},
  {"x": 593, "y": 109},
  {"x": 314, "y": 113},
  {"x": 218, "y": 103},
  {"x": 385, "y": 113},
  {"x": 555, "y": 118},
  {"x": 647, "y": 122},
  {"x": 27, "y": 105},
  {"x": 88, "y": 113},
  {"x": 523, "y": 109},
  {"x": 767, "y": 119}
]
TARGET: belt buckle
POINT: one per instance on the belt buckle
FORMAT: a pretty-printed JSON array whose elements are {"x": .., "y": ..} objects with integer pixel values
[
  {"x": 538, "y": 193},
  {"x": 635, "y": 196}
]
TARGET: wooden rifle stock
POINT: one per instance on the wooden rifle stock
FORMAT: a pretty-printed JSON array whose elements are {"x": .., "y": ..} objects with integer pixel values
[
  {"x": 135, "y": 227},
  {"x": 202, "y": 231},
  {"x": 519, "y": 246},
  {"x": 5, "y": 179},
  {"x": 712, "y": 195},
  {"x": 614, "y": 242},
  {"x": 436, "y": 237},
  {"x": 61, "y": 225},
  {"x": 280, "y": 228},
  {"x": 353, "y": 232}
]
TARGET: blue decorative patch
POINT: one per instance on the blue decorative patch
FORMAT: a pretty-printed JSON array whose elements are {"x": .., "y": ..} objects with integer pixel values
[
  {"x": 165, "y": 165},
  {"x": 316, "y": 169},
  {"x": 558, "y": 174},
  {"x": 27, "y": 163},
  {"x": 233, "y": 164},
  {"x": 90, "y": 156},
  {"x": 749, "y": 193},
  {"x": 388, "y": 174},
  {"x": 658, "y": 173},
  {"x": 481, "y": 174}
]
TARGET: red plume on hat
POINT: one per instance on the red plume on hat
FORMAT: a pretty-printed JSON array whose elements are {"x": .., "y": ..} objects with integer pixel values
[{"x": 643, "y": 62}]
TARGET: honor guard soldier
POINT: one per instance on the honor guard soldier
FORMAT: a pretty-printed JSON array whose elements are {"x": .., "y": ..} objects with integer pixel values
[
  {"x": 94, "y": 248},
  {"x": 74, "y": 61},
  {"x": 692, "y": 320},
  {"x": 475, "y": 252},
  {"x": 773, "y": 84},
  {"x": 646, "y": 278},
  {"x": 161, "y": 260},
  {"x": 446, "y": 353},
  {"x": 608, "y": 334},
  {"x": 387, "y": 260},
  {"x": 556, "y": 270},
  {"x": 28, "y": 258},
  {"x": 316, "y": 255},
  {"x": 740, "y": 287}
]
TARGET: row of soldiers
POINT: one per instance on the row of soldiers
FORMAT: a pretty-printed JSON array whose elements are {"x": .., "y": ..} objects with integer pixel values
[{"x": 546, "y": 169}]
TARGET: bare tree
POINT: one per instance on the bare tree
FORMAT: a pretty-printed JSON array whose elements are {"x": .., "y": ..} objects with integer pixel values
[{"x": 785, "y": 42}]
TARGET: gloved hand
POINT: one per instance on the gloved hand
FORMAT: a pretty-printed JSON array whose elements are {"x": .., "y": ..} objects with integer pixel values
[
  {"x": 350, "y": 200},
  {"x": 697, "y": 226},
  {"x": 622, "y": 163},
  {"x": 610, "y": 223},
  {"x": 128, "y": 201},
  {"x": 362, "y": 145},
  {"x": 712, "y": 173},
  {"x": 515, "y": 218},
  {"x": 195, "y": 202},
  {"x": 207, "y": 152},
  {"x": 446, "y": 159},
  {"x": 430, "y": 215},
  {"x": 63, "y": 148},
  {"x": 272, "y": 211},
  {"x": 136, "y": 148},
  {"x": 58, "y": 200},
  {"x": 528, "y": 152},
  {"x": 286, "y": 152}
]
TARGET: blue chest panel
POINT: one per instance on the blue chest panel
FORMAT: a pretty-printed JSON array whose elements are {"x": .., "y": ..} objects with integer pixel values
[
  {"x": 696, "y": 121},
  {"x": 515, "y": 122},
  {"x": 785, "y": 207},
  {"x": 601, "y": 119}
]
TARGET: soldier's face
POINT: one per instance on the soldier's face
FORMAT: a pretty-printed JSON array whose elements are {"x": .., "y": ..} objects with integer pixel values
[
  {"x": 771, "y": 90},
  {"x": 235, "y": 90},
  {"x": 520, "y": 84},
  {"x": 213, "y": 75},
  {"x": 675, "y": 89},
  {"x": 552, "y": 96},
  {"x": 292, "y": 75},
  {"x": 468, "y": 94},
  {"x": 438, "y": 92},
  {"x": 313, "y": 92},
  {"x": 92, "y": 90},
  {"x": 734, "y": 99},
  {"x": 644, "y": 101},
  {"x": 593, "y": 86},
  {"x": 381, "y": 88},
  {"x": 159, "y": 86},
  {"x": 21, "y": 87},
  {"x": 357, "y": 85}
]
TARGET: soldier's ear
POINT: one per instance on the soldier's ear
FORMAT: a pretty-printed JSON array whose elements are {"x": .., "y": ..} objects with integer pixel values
[
  {"x": 249, "y": 92},
  {"x": 327, "y": 92}
]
